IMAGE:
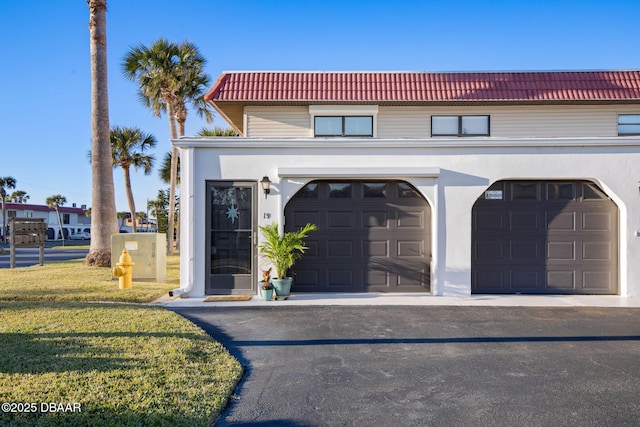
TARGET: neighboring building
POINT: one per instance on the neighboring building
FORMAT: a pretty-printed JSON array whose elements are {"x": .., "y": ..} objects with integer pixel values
[
  {"x": 74, "y": 219},
  {"x": 441, "y": 183},
  {"x": 144, "y": 225}
]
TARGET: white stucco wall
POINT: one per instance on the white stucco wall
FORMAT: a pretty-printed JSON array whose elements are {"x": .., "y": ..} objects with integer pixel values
[{"x": 451, "y": 174}]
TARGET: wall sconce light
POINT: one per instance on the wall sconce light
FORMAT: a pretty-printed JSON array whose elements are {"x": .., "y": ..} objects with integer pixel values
[{"x": 265, "y": 183}]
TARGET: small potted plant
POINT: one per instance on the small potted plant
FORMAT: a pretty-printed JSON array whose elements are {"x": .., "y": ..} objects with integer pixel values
[
  {"x": 283, "y": 251},
  {"x": 265, "y": 287},
  {"x": 266, "y": 291}
]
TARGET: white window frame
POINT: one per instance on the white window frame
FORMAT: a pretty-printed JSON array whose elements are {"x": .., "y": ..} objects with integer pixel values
[{"x": 343, "y": 110}]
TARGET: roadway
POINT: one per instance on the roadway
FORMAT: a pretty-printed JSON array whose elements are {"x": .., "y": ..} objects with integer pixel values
[{"x": 26, "y": 257}]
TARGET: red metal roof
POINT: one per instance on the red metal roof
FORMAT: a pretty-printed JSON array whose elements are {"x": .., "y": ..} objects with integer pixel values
[
  {"x": 425, "y": 87},
  {"x": 43, "y": 208}
]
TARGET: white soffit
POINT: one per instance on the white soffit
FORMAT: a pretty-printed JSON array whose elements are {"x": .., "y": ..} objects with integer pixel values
[
  {"x": 346, "y": 110},
  {"x": 376, "y": 173}
]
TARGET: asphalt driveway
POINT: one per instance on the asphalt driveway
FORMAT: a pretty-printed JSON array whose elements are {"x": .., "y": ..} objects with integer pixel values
[{"x": 430, "y": 365}]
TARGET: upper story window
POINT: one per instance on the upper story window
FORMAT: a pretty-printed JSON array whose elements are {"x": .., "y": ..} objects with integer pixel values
[
  {"x": 628, "y": 124},
  {"x": 459, "y": 125},
  {"x": 343, "y": 126},
  {"x": 343, "y": 121}
]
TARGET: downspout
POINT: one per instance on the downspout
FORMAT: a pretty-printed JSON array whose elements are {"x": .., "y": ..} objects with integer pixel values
[{"x": 187, "y": 230}]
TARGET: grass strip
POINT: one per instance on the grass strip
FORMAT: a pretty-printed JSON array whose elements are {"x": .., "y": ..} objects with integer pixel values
[
  {"x": 124, "y": 365},
  {"x": 72, "y": 281}
]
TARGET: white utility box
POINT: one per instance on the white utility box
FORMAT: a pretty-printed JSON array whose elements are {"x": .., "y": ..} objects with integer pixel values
[{"x": 148, "y": 251}]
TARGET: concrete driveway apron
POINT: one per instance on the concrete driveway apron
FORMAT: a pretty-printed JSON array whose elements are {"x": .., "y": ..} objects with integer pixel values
[{"x": 430, "y": 365}]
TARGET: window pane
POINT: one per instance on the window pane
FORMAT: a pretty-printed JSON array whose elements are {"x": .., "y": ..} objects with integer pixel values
[
  {"x": 524, "y": 191},
  {"x": 592, "y": 192},
  {"x": 358, "y": 126},
  {"x": 629, "y": 119},
  {"x": 309, "y": 191},
  {"x": 475, "y": 125},
  {"x": 628, "y": 129},
  {"x": 406, "y": 190},
  {"x": 558, "y": 191},
  {"x": 375, "y": 189},
  {"x": 339, "y": 191},
  {"x": 328, "y": 126},
  {"x": 444, "y": 125}
]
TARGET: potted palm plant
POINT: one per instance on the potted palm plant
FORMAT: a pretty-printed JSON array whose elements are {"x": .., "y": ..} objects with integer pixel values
[{"x": 283, "y": 251}]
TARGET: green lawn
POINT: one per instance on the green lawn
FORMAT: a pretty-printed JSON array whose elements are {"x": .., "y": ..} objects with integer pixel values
[
  {"x": 71, "y": 281},
  {"x": 121, "y": 364}
]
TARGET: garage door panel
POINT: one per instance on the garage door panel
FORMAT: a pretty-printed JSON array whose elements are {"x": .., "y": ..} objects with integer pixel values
[
  {"x": 372, "y": 219},
  {"x": 301, "y": 218},
  {"x": 597, "y": 221},
  {"x": 340, "y": 220},
  {"x": 493, "y": 280},
  {"x": 524, "y": 220},
  {"x": 560, "y": 221},
  {"x": 376, "y": 278},
  {"x": 597, "y": 251},
  {"x": 339, "y": 248},
  {"x": 375, "y": 248},
  {"x": 410, "y": 219},
  {"x": 526, "y": 279},
  {"x": 413, "y": 277},
  {"x": 411, "y": 249},
  {"x": 561, "y": 280},
  {"x": 487, "y": 250},
  {"x": 596, "y": 280},
  {"x": 525, "y": 250},
  {"x": 340, "y": 278},
  {"x": 486, "y": 221},
  {"x": 575, "y": 251},
  {"x": 307, "y": 279},
  {"x": 561, "y": 251}
]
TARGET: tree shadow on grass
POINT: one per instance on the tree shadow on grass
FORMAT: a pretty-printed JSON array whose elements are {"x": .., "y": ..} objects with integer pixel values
[
  {"x": 96, "y": 415},
  {"x": 37, "y": 353}
]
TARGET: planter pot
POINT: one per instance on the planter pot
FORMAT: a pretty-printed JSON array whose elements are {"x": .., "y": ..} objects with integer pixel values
[
  {"x": 282, "y": 286},
  {"x": 266, "y": 294}
]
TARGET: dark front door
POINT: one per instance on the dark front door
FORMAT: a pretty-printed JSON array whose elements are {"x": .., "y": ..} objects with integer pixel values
[
  {"x": 230, "y": 237},
  {"x": 373, "y": 236}
]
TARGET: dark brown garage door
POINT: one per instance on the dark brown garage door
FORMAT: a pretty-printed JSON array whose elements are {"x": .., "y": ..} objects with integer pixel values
[
  {"x": 372, "y": 237},
  {"x": 545, "y": 237}
]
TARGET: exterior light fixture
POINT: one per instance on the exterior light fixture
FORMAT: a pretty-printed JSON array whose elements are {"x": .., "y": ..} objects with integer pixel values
[{"x": 265, "y": 182}]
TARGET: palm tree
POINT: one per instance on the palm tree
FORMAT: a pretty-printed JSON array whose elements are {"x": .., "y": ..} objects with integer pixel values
[
  {"x": 127, "y": 149},
  {"x": 103, "y": 200},
  {"x": 165, "y": 169},
  {"x": 5, "y": 183},
  {"x": 217, "y": 131},
  {"x": 169, "y": 77},
  {"x": 19, "y": 196},
  {"x": 55, "y": 202}
]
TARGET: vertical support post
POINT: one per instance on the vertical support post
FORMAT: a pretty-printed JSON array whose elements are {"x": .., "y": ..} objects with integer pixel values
[
  {"x": 42, "y": 254},
  {"x": 12, "y": 261}
]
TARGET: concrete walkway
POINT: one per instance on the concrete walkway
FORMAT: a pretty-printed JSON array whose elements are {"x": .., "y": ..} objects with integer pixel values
[{"x": 378, "y": 299}]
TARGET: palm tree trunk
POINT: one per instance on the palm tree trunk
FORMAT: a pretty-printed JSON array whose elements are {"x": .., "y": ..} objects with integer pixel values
[
  {"x": 132, "y": 203},
  {"x": 103, "y": 202},
  {"x": 173, "y": 180},
  {"x": 60, "y": 224}
]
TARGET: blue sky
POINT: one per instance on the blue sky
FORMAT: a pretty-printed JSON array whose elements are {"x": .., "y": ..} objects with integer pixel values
[{"x": 45, "y": 108}]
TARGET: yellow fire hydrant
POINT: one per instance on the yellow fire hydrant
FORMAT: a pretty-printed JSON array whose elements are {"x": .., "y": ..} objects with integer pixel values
[{"x": 124, "y": 270}]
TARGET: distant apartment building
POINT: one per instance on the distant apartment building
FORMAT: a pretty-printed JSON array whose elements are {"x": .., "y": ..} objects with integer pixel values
[{"x": 74, "y": 219}]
